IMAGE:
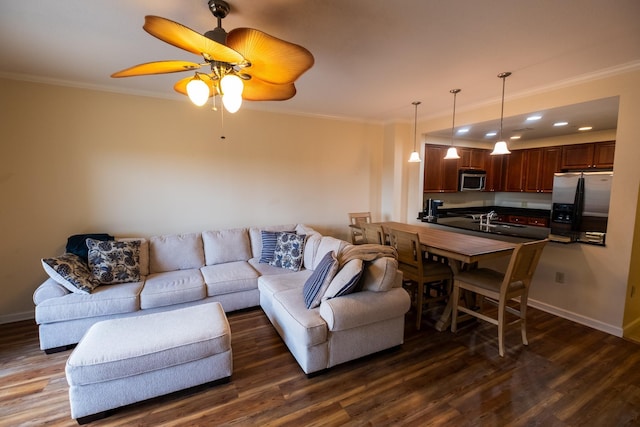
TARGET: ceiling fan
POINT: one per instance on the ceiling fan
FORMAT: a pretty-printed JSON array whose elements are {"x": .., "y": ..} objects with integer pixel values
[{"x": 244, "y": 63}]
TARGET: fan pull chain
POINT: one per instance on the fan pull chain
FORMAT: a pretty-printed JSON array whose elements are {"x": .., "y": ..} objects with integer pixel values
[{"x": 222, "y": 124}]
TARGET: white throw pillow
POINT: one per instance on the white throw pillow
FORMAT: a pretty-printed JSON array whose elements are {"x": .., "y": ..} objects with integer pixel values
[{"x": 346, "y": 280}]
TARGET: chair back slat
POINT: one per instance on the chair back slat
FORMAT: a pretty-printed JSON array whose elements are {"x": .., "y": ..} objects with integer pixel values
[
  {"x": 408, "y": 247},
  {"x": 523, "y": 263},
  {"x": 373, "y": 233},
  {"x": 359, "y": 218}
]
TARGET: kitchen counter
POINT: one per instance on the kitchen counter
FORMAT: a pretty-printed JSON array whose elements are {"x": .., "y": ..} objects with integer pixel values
[
  {"x": 444, "y": 212},
  {"x": 468, "y": 219},
  {"x": 500, "y": 228}
]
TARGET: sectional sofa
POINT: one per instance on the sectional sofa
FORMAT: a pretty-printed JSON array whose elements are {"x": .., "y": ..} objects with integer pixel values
[{"x": 340, "y": 303}]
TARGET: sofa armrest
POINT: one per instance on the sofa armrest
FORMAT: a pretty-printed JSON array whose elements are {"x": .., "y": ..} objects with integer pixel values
[
  {"x": 364, "y": 308},
  {"x": 49, "y": 289}
]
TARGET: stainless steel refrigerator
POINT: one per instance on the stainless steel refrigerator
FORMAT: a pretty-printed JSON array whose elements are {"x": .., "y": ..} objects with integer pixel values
[{"x": 580, "y": 206}]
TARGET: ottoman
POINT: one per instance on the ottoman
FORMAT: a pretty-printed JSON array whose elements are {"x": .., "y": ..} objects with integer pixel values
[{"x": 127, "y": 360}]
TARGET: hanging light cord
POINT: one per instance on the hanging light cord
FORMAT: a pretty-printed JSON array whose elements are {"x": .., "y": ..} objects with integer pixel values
[
  {"x": 503, "y": 76},
  {"x": 453, "y": 120},
  {"x": 415, "y": 124}
]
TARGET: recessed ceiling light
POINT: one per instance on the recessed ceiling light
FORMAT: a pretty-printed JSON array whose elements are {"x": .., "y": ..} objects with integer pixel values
[
  {"x": 534, "y": 118},
  {"x": 560, "y": 123},
  {"x": 463, "y": 130},
  {"x": 585, "y": 128},
  {"x": 490, "y": 134},
  {"x": 515, "y": 137}
]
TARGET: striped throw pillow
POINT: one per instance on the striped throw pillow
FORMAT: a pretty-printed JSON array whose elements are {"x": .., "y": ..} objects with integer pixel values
[{"x": 316, "y": 285}]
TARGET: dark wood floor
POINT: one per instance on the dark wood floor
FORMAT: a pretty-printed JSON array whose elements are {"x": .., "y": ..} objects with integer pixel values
[{"x": 569, "y": 375}]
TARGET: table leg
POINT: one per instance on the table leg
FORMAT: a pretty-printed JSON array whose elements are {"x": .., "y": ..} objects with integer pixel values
[{"x": 445, "y": 318}]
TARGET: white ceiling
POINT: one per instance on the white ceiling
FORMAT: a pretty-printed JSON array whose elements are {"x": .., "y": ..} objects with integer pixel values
[{"x": 372, "y": 57}]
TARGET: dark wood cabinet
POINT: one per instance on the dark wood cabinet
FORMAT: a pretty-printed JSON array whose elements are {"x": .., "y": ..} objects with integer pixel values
[
  {"x": 541, "y": 164},
  {"x": 440, "y": 175},
  {"x": 551, "y": 163},
  {"x": 518, "y": 219},
  {"x": 598, "y": 155},
  {"x": 529, "y": 170},
  {"x": 472, "y": 158},
  {"x": 515, "y": 171},
  {"x": 603, "y": 153},
  {"x": 532, "y": 170},
  {"x": 495, "y": 181},
  {"x": 538, "y": 221}
]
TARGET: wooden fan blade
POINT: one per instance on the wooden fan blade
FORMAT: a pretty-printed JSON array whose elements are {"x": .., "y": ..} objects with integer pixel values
[
  {"x": 185, "y": 38},
  {"x": 272, "y": 60},
  {"x": 181, "y": 85},
  {"x": 259, "y": 90},
  {"x": 159, "y": 67}
]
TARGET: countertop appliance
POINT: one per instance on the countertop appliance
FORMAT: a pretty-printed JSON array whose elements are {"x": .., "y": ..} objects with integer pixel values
[
  {"x": 431, "y": 209},
  {"x": 580, "y": 206},
  {"x": 472, "y": 179}
]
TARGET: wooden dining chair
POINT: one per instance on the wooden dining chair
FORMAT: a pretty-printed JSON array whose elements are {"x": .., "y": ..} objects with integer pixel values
[
  {"x": 356, "y": 219},
  {"x": 499, "y": 288},
  {"x": 432, "y": 279},
  {"x": 373, "y": 233}
]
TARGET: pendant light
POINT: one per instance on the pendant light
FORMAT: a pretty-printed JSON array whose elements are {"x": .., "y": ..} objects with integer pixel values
[
  {"x": 501, "y": 146},
  {"x": 452, "y": 152},
  {"x": 415, "y": 156}
]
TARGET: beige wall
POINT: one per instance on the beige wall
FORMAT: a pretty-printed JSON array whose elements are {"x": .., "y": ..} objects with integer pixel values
[
  {"x": 597, "y": 278},
  {"x": 79, "y": 161},
  {"x": 76, "y": 161}
]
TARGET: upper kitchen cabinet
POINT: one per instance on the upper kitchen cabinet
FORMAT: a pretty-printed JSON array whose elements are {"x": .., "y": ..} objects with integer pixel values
[
  {"x": 598, "y": 155},
  {"x": 440, "y": 176},
  {"x": 495, "y": 181},
  {"x": 541, "y": 164},
  {"x": 472, "y": 158},
  {"x": 515, "y": 170}
]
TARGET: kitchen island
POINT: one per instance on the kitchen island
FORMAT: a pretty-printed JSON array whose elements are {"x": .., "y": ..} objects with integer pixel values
[
  {"x": 500, "y": 228},
  {"x": 507, "y": 222}
]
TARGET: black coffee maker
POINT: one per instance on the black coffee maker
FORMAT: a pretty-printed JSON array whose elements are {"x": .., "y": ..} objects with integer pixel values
[{"x": 431, "y": 209}]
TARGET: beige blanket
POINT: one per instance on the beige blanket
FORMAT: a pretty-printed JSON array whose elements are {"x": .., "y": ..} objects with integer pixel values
[{"x": 366, "y": 252}]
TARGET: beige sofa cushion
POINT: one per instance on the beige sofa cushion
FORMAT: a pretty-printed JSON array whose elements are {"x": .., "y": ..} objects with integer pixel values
[
  {"x": 229, "y": 277},
  {"x": 379, "y": 275},
  {"x": 304, "y": 326},
  {"x": 222, "y": 246},
  {"x": 175, "y": 252},
  {"x": 326, "y": 245},
  {"x": 172, "y": 287}
]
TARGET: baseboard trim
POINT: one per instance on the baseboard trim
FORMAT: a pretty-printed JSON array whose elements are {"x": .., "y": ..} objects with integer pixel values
[
  {"x": 578, "y": 318},
  {"x": 17, "y": 317},
  {"x": 632, "y": 328}
]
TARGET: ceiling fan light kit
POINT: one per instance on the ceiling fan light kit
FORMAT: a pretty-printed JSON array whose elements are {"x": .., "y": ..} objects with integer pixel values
[
  {"x": 501, "y": 146},
  {"x": 245, "y": 63},
  {"x": 452, "y": 152},
  {"x": 198, "y": 91}
]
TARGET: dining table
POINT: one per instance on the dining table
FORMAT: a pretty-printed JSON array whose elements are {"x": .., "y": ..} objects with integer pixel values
[{"x": 462, "y": 250}]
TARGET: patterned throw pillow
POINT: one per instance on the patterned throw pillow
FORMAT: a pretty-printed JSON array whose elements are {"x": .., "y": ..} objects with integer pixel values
[
  {"x": 77, "y": 244},
  {"x": 71, "y": 272},
  {"x": 346, "y": 280},
  {"x": 318, "y": 282},
  {"x": 269, "y": 240},
  {"x": 114, "y": 261},
  {"x": 289, "y": 251}
]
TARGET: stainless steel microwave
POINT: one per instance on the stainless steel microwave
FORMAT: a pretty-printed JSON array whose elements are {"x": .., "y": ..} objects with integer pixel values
[{"x": 472, "y": 180}]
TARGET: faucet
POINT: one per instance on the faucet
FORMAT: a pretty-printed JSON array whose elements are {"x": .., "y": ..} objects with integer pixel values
[{"x": 488, "y": 217}]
